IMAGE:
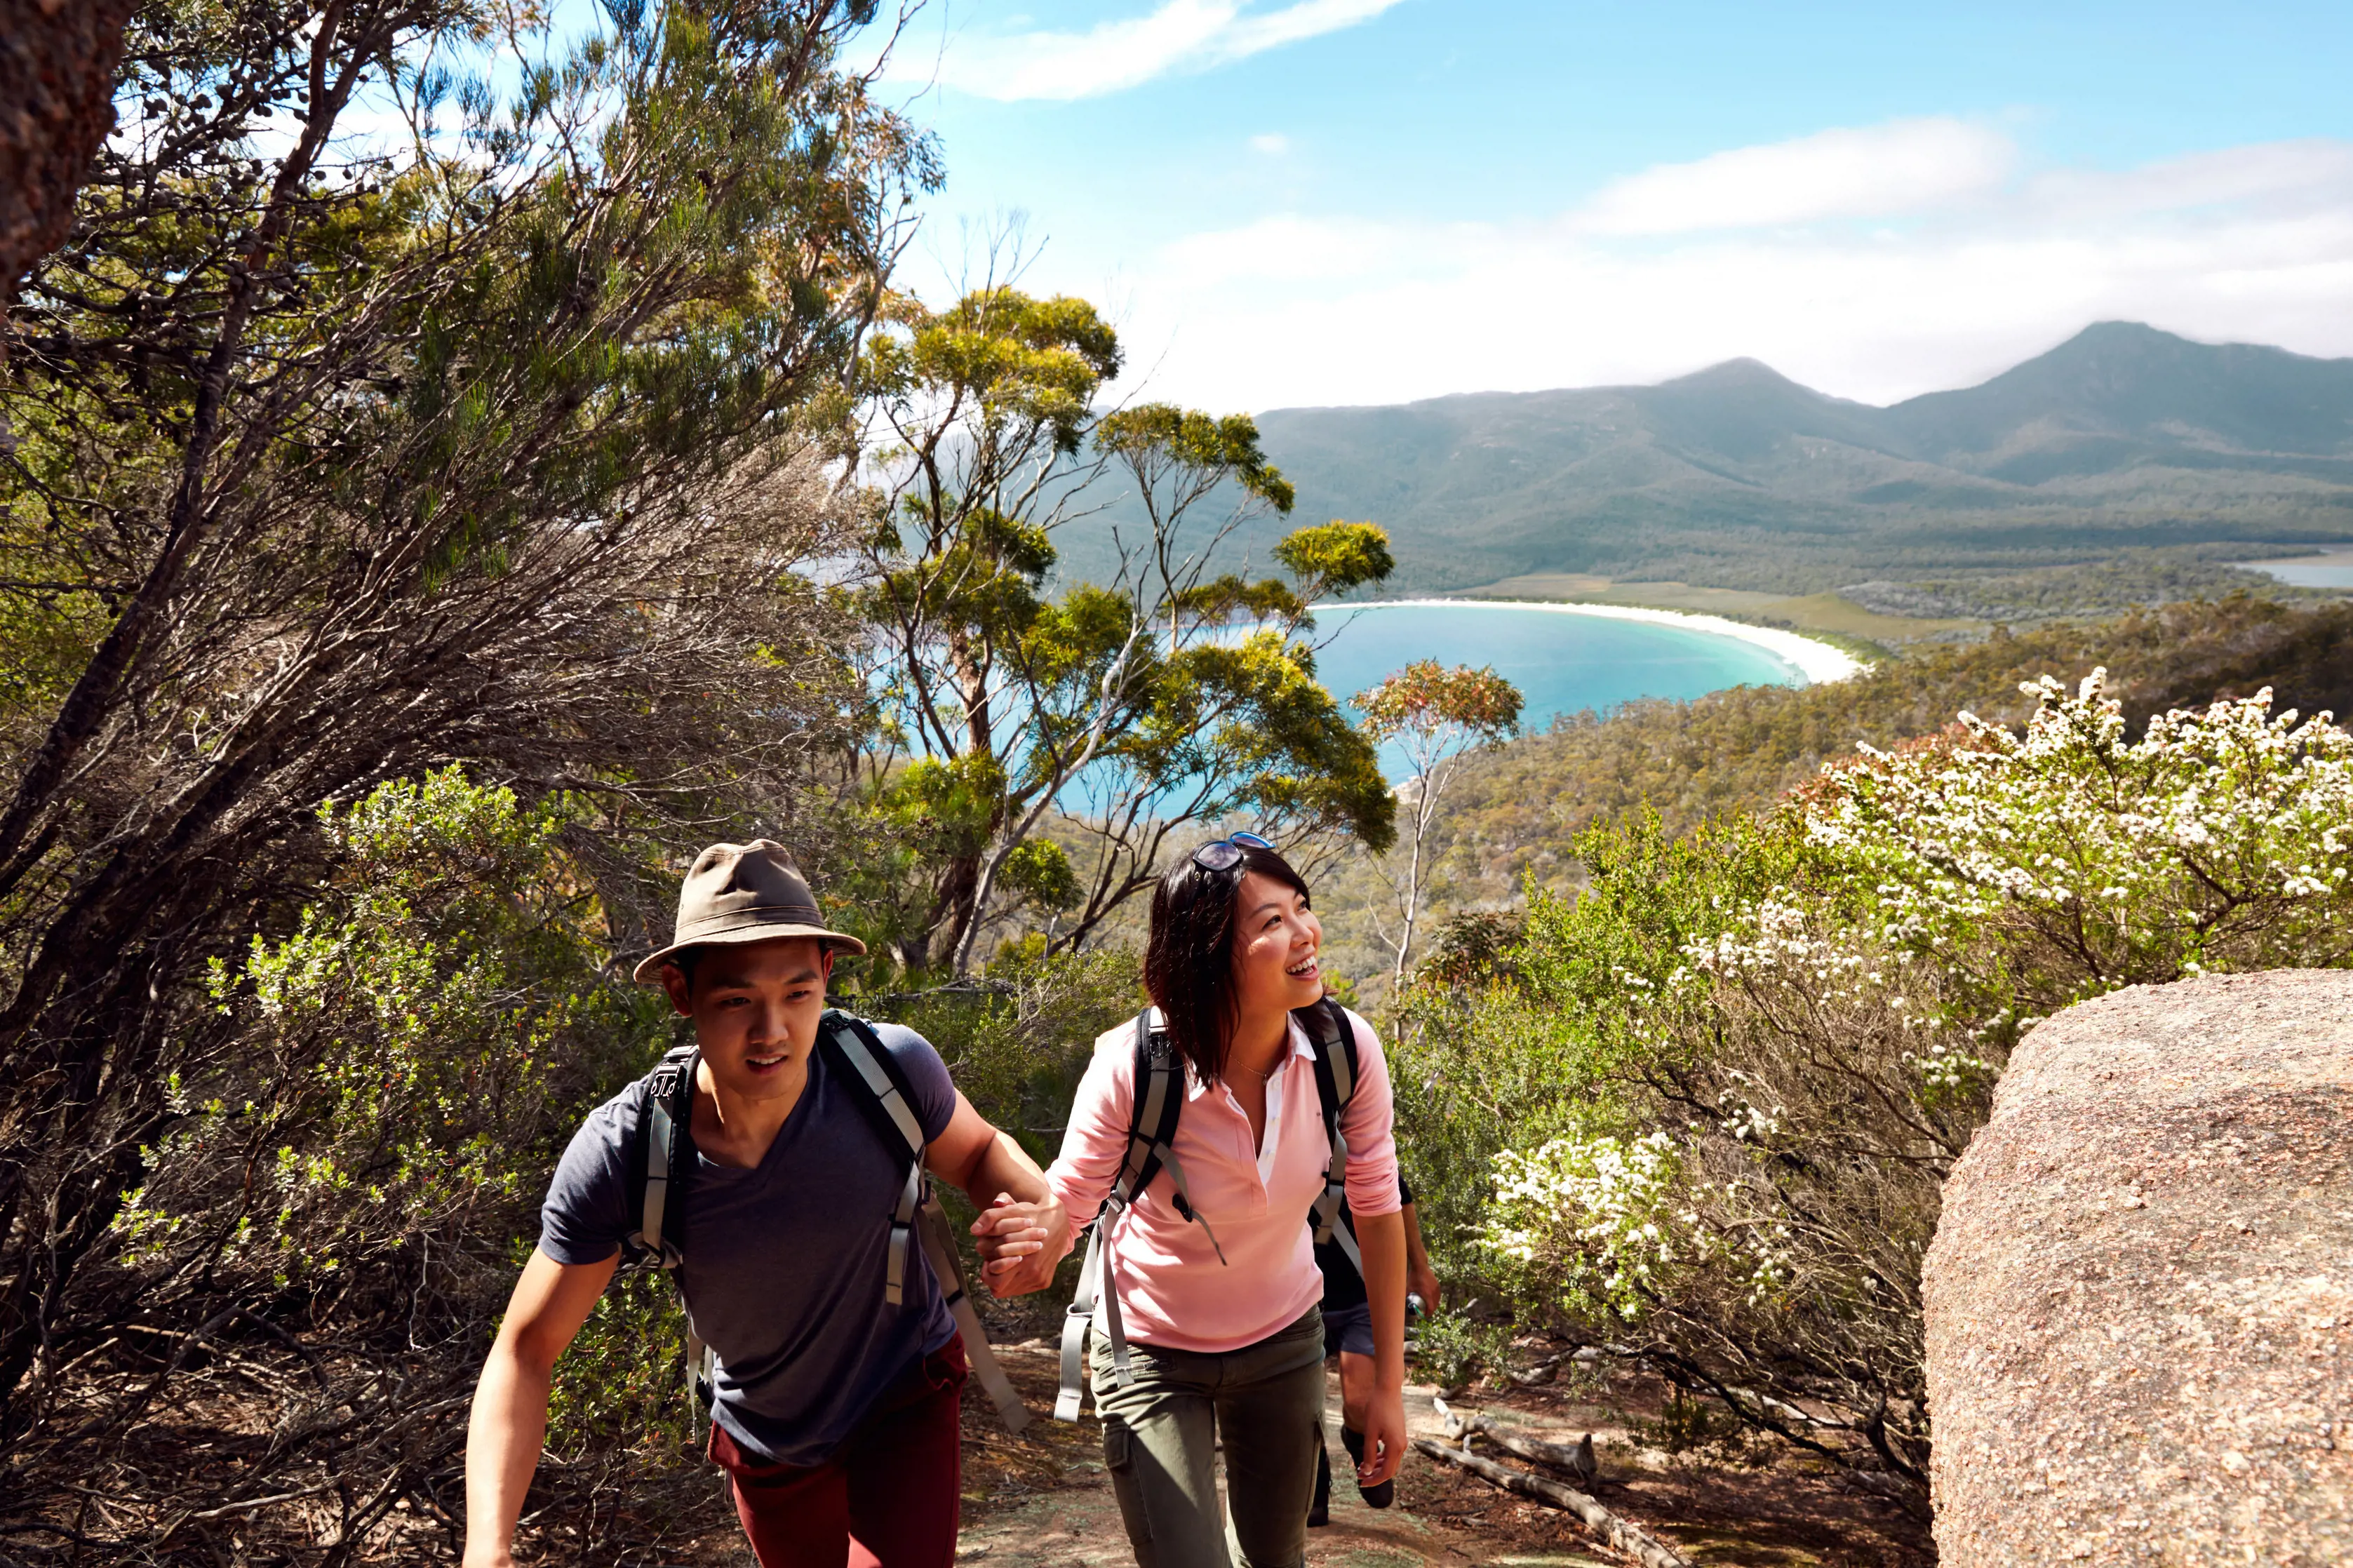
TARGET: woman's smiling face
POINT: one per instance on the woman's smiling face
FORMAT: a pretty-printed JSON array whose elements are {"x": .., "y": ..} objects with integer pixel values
[{"x": 1275, "y": 939}]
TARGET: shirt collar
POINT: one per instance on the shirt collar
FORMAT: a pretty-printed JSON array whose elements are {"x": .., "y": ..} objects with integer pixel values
[{"x": 1300, "y": 1048}]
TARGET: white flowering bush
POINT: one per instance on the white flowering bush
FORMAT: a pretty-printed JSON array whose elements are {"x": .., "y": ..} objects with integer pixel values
[
  {"x": 1739, "y": 1066},
  {"x": 2221, "y": 839},
  {"x": 1617, "y": 1195}
]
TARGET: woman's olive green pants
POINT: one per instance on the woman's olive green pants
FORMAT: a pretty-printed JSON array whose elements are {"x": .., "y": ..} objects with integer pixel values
[{"x": 1160, "y": 1439}]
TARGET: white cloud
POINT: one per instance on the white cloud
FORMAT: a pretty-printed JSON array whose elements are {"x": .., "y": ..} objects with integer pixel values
[
  {"x": 2251, "y": 244},
  {"x": 1877, "y": 171},
  {"x": 1274, "y": 144},
  {"x": 1180, "y": 34}
]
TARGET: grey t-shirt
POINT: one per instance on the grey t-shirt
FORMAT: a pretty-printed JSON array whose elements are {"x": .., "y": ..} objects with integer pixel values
[{"x": 783, "y": 1265}]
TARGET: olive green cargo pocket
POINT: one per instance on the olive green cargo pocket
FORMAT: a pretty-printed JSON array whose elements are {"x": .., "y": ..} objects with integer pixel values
[{"x": 1119, "y": 1458}]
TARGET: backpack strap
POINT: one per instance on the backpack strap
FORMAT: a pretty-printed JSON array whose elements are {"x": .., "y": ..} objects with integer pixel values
[
  {"x": 1154, "y": 1108},
  {"x": 1327, "y": 1024},
  {"x": 665, "y": 1154},
  {"x": 666, "y": 1131},
  {"x": 873, "y": 1078},
  {"x": 866, "y": 1067}
]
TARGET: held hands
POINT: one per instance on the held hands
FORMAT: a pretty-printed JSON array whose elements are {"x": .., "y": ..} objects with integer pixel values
[{"x": 1020, "y": 1243}]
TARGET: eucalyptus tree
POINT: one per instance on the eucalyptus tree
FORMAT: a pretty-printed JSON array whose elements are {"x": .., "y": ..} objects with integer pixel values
[
  {"x": 1174, "y": 693},
  {"x": 1438, "y": 717},
  {"x": 341, "y": 454}
]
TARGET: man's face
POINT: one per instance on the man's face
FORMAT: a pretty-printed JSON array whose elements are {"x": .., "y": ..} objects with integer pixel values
[{"x": 755, "y": 1007}]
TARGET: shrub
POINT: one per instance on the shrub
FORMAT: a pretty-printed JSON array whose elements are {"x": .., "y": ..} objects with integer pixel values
[
  {"x": 395, "y": 1080},
  {"x": 1728, "y": 1083}
]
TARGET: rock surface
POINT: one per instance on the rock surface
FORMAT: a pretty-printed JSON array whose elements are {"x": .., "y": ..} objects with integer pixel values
[{"x": 2140, "y": 1297}]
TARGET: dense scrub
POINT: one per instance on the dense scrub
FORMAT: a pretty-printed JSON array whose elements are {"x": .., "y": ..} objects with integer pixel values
[
  {"x": 1702, "y": 1111},
  {"x": 1516, "y": 811}
]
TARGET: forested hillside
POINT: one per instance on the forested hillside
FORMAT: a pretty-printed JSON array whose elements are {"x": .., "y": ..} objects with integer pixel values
[
  {"x": 1516, "y": 808},
  {"x": 1736, "y": 476}
]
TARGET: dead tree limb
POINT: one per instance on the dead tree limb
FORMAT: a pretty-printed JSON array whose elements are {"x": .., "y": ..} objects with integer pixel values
[{"x": 1614, "y": 1531}]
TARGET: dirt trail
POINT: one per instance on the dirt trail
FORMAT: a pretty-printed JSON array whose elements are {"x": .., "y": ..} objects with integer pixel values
[
  {"x": 1042, "y": 1501},
  {"x": 1076, "y": 1524}
]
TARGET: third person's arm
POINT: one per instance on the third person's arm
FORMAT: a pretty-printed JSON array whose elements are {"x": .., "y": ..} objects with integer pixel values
[
  {"x": 1380, "y": 1238},
  {"x": 1420, "y": 1277}
]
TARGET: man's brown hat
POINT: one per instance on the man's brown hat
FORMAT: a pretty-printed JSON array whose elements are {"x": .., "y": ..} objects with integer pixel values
[{"x": 744, "y": 892}]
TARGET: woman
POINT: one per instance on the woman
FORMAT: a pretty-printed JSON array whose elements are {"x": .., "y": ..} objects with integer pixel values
[{"x": 1223, "y": 1327}]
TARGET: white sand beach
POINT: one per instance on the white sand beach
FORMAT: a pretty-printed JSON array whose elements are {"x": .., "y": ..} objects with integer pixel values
[{"x": 1819, "y": 662}]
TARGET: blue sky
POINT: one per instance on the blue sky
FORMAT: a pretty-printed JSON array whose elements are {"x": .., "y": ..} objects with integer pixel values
[{"x": 1358, "y": 201}]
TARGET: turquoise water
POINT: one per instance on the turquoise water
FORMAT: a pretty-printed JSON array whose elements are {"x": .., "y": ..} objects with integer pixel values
[
  {"x": 1562, "y": 663},
  {"x": 2334, "y": 570}
]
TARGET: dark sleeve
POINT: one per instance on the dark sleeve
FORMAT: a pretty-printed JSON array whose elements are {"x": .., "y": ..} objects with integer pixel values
[
  {"x": 586, "y": 1215},
  {"x": 1405, "y": 1194},
  {"x": 928, "y": 1084}
]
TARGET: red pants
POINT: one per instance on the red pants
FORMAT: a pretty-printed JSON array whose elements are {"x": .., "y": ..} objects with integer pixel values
[{"x": 887, "y": 1497}]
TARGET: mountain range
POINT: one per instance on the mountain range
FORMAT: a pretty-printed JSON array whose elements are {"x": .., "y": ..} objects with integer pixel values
[{"x": 2122, "y": 438}]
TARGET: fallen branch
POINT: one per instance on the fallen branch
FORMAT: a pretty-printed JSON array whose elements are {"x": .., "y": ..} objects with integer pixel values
[
  {"x": 1577, "y": 1461},
  {"x": 1542, "y": 1373},
  {"x": 1612, "y": 1531}
]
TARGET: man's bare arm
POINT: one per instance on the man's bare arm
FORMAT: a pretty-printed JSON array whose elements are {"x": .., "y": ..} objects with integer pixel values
[
  {"x": 510, "y": 1418},
  {"x": 1022, "y": 1229}
]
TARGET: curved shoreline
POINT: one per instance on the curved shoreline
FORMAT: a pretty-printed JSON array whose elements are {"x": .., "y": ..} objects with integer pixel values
[{"x": 1819, "y": 662}]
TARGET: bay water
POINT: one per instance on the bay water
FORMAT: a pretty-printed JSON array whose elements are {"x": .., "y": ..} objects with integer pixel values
[{"x": 1562, "y": 662}]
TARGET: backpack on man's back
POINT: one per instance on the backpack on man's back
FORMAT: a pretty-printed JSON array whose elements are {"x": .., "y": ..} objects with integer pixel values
[{"x": 662, "y": 1161}]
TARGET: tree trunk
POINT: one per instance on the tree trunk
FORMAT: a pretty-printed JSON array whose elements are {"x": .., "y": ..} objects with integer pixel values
[{"x": 57, "y": 76}]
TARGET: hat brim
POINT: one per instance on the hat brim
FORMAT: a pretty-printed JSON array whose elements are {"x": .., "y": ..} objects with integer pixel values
[{"x": 650, "y": 967}]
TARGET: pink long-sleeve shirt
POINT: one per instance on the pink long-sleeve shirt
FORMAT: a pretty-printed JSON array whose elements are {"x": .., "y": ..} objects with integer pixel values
[{"x": 1173, "y": 1291}]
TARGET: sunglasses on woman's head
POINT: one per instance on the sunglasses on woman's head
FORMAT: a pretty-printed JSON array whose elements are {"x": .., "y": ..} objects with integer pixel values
[{"x": 1225, "y": 854}]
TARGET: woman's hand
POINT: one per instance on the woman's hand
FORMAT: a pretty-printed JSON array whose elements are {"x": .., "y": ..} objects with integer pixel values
[
  {"x": 1384, "y": 1438},
  {"x": 1020, "y": 1243}
]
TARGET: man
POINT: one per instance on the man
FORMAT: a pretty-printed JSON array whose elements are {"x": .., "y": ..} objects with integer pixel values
[
  {"x": 834, "y": 1411},
  {"x": 1348, "y": 1334}
]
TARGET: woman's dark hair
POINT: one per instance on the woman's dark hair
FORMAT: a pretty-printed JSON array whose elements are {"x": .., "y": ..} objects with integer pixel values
[{"x": 1188, "y": 961}]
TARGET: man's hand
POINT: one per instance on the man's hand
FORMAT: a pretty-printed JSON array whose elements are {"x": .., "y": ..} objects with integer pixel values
[
  {"x": 1020, "y": 1243},
  {"x": 1423, "y": 1282}
]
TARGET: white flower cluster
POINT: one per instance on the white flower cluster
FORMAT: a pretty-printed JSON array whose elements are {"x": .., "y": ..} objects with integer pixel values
[
  {"x": 1598, "y": 1209},
  {"x": 2142, "y": 856}
]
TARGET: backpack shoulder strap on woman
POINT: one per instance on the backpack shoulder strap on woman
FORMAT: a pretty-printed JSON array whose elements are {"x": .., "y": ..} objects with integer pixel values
[
  {"x": 1152, "y": 1115},
  {"x": 1327, "y": 1025}
]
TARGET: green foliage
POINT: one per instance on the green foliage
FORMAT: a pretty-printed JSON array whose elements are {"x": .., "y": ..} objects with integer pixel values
[
  {"x": 1450, "y": 1348},
  {"x": 1031, "y": 367},
  {"x": 1514, "y": 811},
  {"x": 1333, "y": 559},
  {"x": 1718, "y": 1092},
  {"x": 411, "y": 1054},
  {"x": 1186, "y": 440},
  {"x": 1019, "y": 1037},
  {"x": 1039, "y": 873},
  {"x": 623, "y": 1384}
]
